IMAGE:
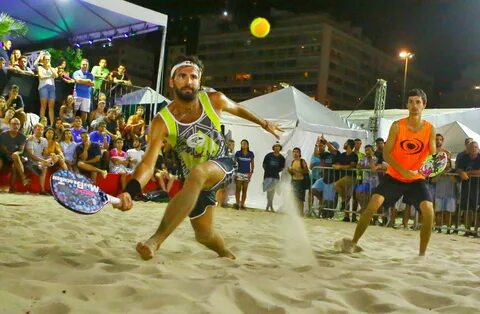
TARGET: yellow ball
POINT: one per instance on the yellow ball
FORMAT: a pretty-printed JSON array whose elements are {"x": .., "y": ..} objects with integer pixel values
[{"x": 260, "y": 27}]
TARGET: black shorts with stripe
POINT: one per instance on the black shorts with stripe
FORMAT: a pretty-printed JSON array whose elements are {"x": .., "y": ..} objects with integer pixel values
[
  {"x": 207, "y": 197},
  {"x": 415, "y": 192}
]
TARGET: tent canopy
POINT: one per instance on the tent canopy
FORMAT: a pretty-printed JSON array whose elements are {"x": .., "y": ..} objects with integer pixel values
[
  {"x": 455, "y": 134},
  {"x": 76, "y": 19},
  {"x": 144, "y": 96}
]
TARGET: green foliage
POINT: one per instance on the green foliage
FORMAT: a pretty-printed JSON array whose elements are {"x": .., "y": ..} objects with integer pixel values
[
  {"x": 12, "y": 27},
  {"x": 73, "y": 56}
]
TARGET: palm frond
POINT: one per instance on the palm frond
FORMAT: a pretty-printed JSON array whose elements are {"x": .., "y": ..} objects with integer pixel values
[{"x": 11, "y": 27}]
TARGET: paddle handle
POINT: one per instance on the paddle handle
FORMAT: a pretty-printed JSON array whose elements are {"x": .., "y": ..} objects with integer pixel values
[{"x": 113, "y": 200}]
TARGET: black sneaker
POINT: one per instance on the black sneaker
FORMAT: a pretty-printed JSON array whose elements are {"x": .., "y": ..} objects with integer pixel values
[{"x": 346, "y": 219}]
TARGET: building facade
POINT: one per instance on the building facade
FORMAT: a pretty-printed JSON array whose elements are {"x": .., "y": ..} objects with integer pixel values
[{"x": 329, "y": 61}]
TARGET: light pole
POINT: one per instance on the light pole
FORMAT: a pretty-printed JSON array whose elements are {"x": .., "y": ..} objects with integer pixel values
[{"x": 405, "y": 55}]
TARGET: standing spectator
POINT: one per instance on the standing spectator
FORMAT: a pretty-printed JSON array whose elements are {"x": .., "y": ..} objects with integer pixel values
[
  {"x": 6, "y": 44},
  {"x": 46, "y": 87},
  {"x": 344, "y": 163},
  {"x": 120, "y": 81},
  {"x": 89, "y": 157},
  {"x": 135, "y": 154},
  {"x": 62, "y": 65},
  {"x": 15, "y": 101},
  {"x": 21, "y": 67},
  {"x": 298, "y": 170},
  {"x": 467, "y": 142},
  {"x": 370, "y": 179},
  {"x": 224, "y": 193},
  {"x": 379, "y": 145},
  {"x": 468, "y": 168},
  {"x": 15, "y": 57},
  {"x": 100, "y": 73},
  {"x": 273, "y": 164},
  {"x": 12, "y": 144},
  {"x": 245, "y": 160},
  {"x": 84, "y": 81},
  {"x": 3, "y": 74},
  {"x": 323, "y": 189},
  {"x": 67, "y": 111},
  {"x": 68, "y": 148}
]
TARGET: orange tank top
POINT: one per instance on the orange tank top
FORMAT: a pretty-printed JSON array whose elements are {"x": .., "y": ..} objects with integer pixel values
[{"x": 410, "y": 149}]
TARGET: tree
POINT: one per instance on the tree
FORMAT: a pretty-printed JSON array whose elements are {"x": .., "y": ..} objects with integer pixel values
[
  {"x": 73, "y": 57},
  {"x": 11, "y": 27}
]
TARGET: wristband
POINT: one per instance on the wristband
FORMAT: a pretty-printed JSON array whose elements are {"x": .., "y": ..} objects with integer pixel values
[{"x": 133, "y": 188}]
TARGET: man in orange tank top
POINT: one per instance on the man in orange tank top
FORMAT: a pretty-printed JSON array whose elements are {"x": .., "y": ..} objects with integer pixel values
[{"x": 409, "y": 142}]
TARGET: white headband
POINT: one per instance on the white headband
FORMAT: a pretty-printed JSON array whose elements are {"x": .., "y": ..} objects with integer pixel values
[{"x": 183, "y": 64}]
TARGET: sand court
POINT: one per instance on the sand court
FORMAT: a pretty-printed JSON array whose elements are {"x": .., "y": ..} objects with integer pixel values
[{"x": 55, "y": 261}]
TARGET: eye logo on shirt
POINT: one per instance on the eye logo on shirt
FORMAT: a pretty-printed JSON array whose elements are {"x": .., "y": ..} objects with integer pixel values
[{"x": 412, "y": 146}]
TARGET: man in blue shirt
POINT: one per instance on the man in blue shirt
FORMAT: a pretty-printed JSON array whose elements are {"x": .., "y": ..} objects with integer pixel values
[
  {"x": 100, "y": 136},
  {"x": 84, "y": 81}
]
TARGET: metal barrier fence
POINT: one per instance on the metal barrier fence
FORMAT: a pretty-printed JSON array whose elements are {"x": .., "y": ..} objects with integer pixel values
[{"x": 456, "y": 202}]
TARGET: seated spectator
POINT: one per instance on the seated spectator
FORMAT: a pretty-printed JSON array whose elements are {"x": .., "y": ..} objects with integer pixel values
[
  {"x": 67, "y": 111},
  {"x": 98, "y": 114},
  {"x": 68, "y": 148},
  {"x": 5, "y": 122},
  {"x": 46, "y": 87},
  {"x": 3, "y": 106},
  {"x": 12, "y": 144},
  {"x": 58, "y": 128},
  {"x": 163, "y": 177},
  {"x": 112, "y": 125},
  {"x": 343, "y": 186},
  {"x": 54, "y": 151},
  {"x": 43, "y": 121},
  {"x": 35, "y": 150},
  {"x": 101, "y": 136},
  {"x": 22, "y": 68},
  {"x": 89, "y": 157},
  {"x": 119, "y": 162},
  {"x": 136, "y": 124},
  {"x": 298, "y": 170},
  {"x": 15, "y": 101},
  {"x": 77, "y": 129},
  {"x": 135, "y": 154}
]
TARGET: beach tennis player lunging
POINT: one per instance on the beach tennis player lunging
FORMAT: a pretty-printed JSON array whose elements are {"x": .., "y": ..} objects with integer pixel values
[
  {"x": 410, "y": 141},
  {"x": 191, "y": 124}
]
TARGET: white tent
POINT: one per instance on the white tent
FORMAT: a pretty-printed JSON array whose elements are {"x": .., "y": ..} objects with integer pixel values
[
  {"x": 455, "y": 133},
  {"x": 303, "y": 120},
  {"x": 438, "y": 117},
  {"x": 147, "y": 97}
]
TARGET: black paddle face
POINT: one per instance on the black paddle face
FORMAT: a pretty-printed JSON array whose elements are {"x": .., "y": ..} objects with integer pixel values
[{"x": 76, "y": 192}]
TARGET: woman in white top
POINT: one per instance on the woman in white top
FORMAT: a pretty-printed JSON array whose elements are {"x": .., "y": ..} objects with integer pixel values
[
  {"x": 5, "y": 122},
  {"x": 46, "y": 87}
]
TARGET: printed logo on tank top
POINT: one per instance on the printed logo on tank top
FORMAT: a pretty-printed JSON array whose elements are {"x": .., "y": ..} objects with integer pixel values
[{"x": 412, "y": 146}]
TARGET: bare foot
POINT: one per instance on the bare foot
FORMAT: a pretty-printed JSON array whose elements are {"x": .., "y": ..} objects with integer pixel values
[
  {"x": 346, "y": 245},
  {"x": 227, "y": 253},
  {"x": 146, "y": 249}
]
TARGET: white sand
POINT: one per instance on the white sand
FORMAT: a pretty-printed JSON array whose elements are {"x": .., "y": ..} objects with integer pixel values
[{"x": 55, "y": 261}]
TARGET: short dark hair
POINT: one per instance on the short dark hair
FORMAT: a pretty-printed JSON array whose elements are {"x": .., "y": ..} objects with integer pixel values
[
  {"x": 350, "y": 143},
  {"x": 297, "y": 149},
  {"x": 368, "y": 146},
  {"x": 418, "y": 92},
  {"x": 14, "y": 87},
  {"x": 379, "y": 139},
  {"x": 357, "y": 140},
  {"x": 438, "y": 134}
]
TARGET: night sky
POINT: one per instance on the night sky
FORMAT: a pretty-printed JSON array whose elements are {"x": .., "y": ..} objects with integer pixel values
[{"x": 443, "y": 34}]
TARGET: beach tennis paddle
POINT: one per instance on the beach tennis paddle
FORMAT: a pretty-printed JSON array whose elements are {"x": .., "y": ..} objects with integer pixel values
[
  {"x": 434, "y": 165},
  {"x": 78, "y": 193}
]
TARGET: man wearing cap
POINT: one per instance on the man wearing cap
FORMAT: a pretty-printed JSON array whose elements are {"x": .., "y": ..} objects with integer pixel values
[
  {"x": 273, "y": 164},
  {"x": 191, "y": 124}
]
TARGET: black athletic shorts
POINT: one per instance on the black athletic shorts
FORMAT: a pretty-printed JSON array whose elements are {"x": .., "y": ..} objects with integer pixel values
[
  {"x": 207, "y": 198},
  {"x": 415, "y": 192}
]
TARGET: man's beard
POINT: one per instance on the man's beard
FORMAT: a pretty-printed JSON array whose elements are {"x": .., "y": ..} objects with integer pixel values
[{"x": 184, "y": 96}]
